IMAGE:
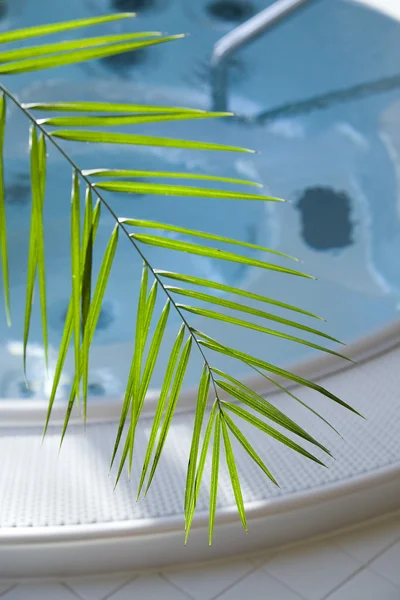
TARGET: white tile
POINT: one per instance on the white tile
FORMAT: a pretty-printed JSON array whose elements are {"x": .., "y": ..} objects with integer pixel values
[
  {"x": 149, "y": 587},
  {"x": 312, "y": 570},
  {"x": 366, "y": 586},
  {"x": 388, "y": 564},
  {"x": 96, "y": 589},
  {"x": 37, "y": 591},
  {"x": 367, "y": 542},
  {"x": 204, "y": 583},
  {"x": 259, "y": 586}
]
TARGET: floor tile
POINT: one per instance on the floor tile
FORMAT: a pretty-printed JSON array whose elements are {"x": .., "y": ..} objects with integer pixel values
[
  {"x": 312, "y": 570},
  {"x": 96, "y": 588},
  {"x": 366, "y": 586},
  {"x": 149, "y": 587},
  {"x": 259, "y": 586},
  {"x": 43, "y": 591},
  {"x": 204, "y": 583},
  {"x": 388, "y": 564},
  {"x": 365, "y": 543}
]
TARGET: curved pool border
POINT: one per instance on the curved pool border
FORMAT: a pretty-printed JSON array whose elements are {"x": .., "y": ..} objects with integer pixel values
[
  {"x": 88, "y": 549},
  {"x": 111, "y": 547},
  {"x": 15, "y": 412}
]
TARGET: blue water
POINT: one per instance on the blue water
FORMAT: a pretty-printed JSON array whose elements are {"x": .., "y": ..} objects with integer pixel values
[{"x": 349, "y": 150}]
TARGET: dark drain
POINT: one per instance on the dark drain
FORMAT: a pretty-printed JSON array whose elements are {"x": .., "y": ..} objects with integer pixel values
[
  {"x": 3, "y": 9},
  {"x": 96, "y": 389},
  {"x": 19, "y": 191},
  {"x": 125, "y": 60},
  {"x": 133, "y": 5},
  {"x": 230, "y": 10},
  {"x": 106, "y": 317},
  {"x": 326, "y": 218}
]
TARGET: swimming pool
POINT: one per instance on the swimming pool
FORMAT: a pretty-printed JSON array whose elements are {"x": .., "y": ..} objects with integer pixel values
[{"x": 338, "y": 167}]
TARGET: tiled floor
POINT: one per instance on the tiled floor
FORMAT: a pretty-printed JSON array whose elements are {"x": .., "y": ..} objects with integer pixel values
[{"x": 362, "y": 563}]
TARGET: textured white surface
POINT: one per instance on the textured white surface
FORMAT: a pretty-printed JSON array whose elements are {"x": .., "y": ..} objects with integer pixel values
[
  {"x": 317, "y": 571},
  {"x": 38, "y": 488}
]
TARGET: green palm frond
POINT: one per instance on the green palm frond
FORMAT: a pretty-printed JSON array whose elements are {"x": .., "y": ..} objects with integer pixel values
[{"x": 220, "y": 395}]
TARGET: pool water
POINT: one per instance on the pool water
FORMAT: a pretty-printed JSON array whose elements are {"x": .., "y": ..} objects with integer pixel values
[{"x": 338, "y": 167}]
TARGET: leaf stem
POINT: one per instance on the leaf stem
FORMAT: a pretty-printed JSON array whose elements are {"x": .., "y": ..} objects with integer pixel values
[{"x": 91, "y": 185}]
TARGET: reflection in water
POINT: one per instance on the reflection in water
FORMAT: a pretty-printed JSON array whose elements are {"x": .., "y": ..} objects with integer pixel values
[{"x": 234, "y": 11}]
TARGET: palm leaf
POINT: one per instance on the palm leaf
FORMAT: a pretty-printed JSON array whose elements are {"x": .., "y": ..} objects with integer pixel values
[
  {"x": 280, "y": 437},
  {"x": 77, "y": 56},
  {"x": 249, "y": 310},
  {"x": 252, "y": 360},
  {"x": 229, "y": 290},
  {"x": 233, "y": 473},
  {"x": 41, "y": 164},
  {"x": 134, "y": 372},
  {"x": 214, "y": 475},
  {"x": 248, "y": 447},
  {"x": 76, "y": 268},
  {"x": 181, "y": 246},
  {"x": 194, "y": 449},
  {"x": 153, "y": 353},
  {"x": 173, "y": 359},
  {"x": 40, "y": 30},
  {"x": 104, "y": 137},
  {"x": 283, "y": 389},
  {"x": 210, "y": 314},
  {"x": 246, "y": 395},
  {"x": 67, "y": 335},
  {"x": 200, "y": 468},
  {"x": 86, "y": 257},
  {"x": 36, "y": 241},
  {"x": 107, "y": 121},
  {"x": 3, "y": 222},
  {"x": 166, "y": 174},
  {"x": 106, "y": 107},
  {"x": 66, "y": 46},
  {"x": 136, "y": 187},
  {"x": 195, "y": 233},
  {"x": 92, "y": 319},
  {"x": 143, "y": 318},
  {"x": 85, "y": 287},
  {"x": 173, "y": 399}
]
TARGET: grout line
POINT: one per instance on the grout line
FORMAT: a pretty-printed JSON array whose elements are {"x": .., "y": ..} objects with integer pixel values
[
  {"x": 107, "y": 596},
  {"x": 382, "y": 576},
  {"x": 342, "y": 583},
  {"x": 288, "y": 587},
  {"x": 119, "y": 588},
  {"x": 164, "y": 578},
  {"x": 12, "y": 587},
  {"x": 251, "y": 572},
  {"x": 232, "y": 585},
  {"x": 364, "y": 567},
  {"x": 74, "y": 592}
]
